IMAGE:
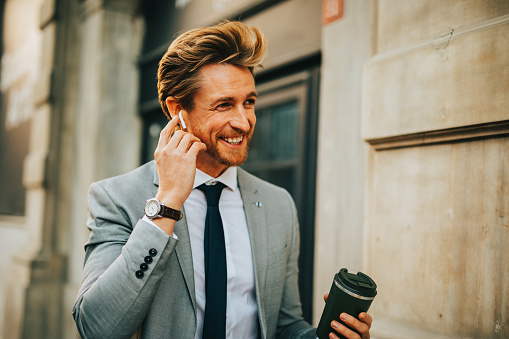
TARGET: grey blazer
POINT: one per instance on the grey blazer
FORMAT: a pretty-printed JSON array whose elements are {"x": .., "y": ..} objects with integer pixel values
[{"x": 114, "y": 303}]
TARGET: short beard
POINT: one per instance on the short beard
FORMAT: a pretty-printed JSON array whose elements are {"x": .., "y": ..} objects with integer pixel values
[{"x": 238, "y": 161}]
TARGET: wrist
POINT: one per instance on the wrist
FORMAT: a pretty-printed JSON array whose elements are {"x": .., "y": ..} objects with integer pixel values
[
  {"x": 169, "y": 200},
  {"x": 165, "y": 224}
]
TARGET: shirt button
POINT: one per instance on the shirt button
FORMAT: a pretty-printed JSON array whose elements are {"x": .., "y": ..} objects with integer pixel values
[{"x": 152, "y": 252}]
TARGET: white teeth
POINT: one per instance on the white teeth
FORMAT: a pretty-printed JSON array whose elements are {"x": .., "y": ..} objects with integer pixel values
[{"x": 234, "y": 141}]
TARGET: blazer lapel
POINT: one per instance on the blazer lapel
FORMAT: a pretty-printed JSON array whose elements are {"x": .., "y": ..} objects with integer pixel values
[
  {"x": 256, "y": 222},
  {"x": 183, "y": 248}
]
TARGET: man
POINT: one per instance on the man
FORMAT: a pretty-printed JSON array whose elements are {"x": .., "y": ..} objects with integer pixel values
[{"x": 197, "y": 267}]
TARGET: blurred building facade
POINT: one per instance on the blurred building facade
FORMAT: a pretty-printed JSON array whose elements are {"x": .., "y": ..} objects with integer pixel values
[{"x": 386, "y": 120}]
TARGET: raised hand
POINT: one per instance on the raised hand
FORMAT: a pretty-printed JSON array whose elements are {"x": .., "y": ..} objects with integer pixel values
[{"x": 175, "y": 158}]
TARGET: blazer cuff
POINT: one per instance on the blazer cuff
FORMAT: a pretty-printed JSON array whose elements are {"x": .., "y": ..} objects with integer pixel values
[
  {"x": 146, "y": 252},
  {"x": 147, "y": 220}
]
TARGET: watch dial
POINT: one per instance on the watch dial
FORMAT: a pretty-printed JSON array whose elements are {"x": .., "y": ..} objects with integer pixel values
[{"x": 152, "y": 208}]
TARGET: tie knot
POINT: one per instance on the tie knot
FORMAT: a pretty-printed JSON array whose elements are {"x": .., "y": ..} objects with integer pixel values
[{"x": 212, "y": 192}]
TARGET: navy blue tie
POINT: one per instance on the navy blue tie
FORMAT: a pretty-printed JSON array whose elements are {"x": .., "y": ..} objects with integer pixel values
[{"x": 214, "y": 324}]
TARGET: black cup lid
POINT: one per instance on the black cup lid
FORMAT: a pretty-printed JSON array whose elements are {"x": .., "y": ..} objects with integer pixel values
[{"x": 358, "y": 283}]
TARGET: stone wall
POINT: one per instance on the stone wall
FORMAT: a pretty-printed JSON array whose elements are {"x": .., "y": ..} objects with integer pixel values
[
  {"x": 341, "y": 152},
  {"x": 435, "y": 116},
  {"x": 85, "y": 127}
]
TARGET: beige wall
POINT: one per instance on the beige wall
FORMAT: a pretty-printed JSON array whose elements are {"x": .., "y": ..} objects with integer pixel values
[
  {"x": 16, "y": 233},
  {"x": 20, "y": 63},
  {"x": 84, "y": 127},
  {"x": 341, "y": 152},
  {"x": 435, "y": 116},
  {"x": 292, "y": 29}
]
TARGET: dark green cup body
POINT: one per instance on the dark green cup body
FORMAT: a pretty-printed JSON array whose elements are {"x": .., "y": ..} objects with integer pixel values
[{"x": 349, "y": 293}]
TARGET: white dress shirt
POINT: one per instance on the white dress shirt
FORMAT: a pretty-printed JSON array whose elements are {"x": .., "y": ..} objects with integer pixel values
[{"x": 241, "y": 308}]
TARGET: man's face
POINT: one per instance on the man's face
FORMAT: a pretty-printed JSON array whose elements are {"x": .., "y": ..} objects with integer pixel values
[{"x": 223, "y": 117}]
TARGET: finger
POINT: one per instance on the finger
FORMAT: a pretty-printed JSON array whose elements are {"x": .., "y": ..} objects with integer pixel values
[
  {"x": 195, "y": 148},
  {"x": 366, "y": 318},
  {"x": 344, "y": 330},
  {"x": 325, "y": 297},
  {"x": 166, "y": 132},
  {"x": 186, "y": 142},
  {"x": 333, "y": 336},
  {"x": 354, "y": 323},
  {"x": 176, "y": 139}
]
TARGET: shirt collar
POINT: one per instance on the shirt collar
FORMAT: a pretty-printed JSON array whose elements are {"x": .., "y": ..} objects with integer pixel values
[{"x": 228, "y": 177}]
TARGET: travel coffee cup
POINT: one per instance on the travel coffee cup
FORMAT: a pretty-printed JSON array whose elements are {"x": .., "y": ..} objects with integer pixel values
[{"x": 349, "y": 293}]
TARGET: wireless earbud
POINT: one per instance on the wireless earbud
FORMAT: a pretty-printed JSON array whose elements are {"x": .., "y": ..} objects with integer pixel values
[{"x": 182, "y": 120}]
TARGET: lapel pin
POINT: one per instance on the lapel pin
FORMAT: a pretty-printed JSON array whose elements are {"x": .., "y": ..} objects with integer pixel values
[{"x": 258, "y": 204}]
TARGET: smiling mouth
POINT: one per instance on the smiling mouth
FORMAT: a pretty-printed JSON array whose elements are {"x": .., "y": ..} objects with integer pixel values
[{"x": 234, "y": 141}]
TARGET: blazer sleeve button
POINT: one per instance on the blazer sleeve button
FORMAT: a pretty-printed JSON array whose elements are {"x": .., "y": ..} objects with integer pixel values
[
  {"x": 152, "y": 252},
  {"x": 139, "y": 274},
  {"x": 143, "y": 267},
  {"x": 148, "y": 259}
]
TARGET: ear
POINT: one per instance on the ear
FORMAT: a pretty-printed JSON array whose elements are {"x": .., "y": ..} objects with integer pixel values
[{"x": 173, "y": 106}]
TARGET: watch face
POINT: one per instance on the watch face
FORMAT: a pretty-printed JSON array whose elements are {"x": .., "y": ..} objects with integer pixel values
[{"x": 152, "y": 208}]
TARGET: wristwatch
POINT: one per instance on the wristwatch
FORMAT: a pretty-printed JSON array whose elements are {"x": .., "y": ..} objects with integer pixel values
[{"x": 155, "y": 209}]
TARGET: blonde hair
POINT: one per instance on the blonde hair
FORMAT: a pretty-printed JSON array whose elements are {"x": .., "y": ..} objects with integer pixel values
[{"x": 229, "y": 42}]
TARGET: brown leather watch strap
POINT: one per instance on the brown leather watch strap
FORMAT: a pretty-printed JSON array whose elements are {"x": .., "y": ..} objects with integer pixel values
[{"x": 167, "y": 212}]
